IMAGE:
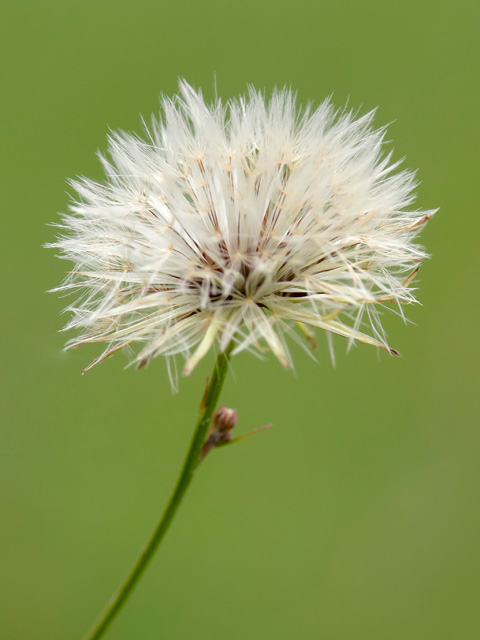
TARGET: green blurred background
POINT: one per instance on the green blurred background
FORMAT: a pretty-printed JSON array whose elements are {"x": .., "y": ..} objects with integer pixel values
[{"x": 357, "y": 515}]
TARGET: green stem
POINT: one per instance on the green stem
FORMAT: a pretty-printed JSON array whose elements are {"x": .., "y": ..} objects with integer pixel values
[{"x": 186, "y": 475}]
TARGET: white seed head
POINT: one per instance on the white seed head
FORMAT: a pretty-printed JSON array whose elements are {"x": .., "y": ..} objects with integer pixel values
[{"x": 245, "y": 222}]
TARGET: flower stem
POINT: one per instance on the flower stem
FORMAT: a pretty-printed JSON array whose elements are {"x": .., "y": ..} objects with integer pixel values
[{"x": 209, "y": 402}]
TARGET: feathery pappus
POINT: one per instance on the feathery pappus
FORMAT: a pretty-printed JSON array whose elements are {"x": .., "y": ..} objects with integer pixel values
[{"x": 250, "y": 221}]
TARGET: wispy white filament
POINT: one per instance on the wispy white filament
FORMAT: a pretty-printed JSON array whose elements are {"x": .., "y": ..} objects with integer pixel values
[{"x": 245, "y": 221}]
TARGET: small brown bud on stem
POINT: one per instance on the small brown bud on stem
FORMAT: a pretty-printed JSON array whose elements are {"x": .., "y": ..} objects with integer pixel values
[
  {"x": 223, "y": 422},
  {"x": 225, "y": 419}
]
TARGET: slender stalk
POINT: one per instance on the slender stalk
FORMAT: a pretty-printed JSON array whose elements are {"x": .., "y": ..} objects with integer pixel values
[{"x": 207, "y": 409}]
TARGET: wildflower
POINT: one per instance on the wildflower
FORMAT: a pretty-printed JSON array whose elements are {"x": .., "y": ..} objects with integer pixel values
[{"x": 248, "y": 221}]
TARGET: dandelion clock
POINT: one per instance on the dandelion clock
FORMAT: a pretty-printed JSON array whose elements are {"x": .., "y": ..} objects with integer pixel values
[{"x": 244, "y": 225}]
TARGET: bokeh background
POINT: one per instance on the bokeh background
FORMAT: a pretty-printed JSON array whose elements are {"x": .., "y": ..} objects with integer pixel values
[{"x": 357, "y": 515}]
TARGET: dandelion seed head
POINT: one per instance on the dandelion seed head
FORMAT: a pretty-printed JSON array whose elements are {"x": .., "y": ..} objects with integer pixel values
[{"x": 248, "y": 221}]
